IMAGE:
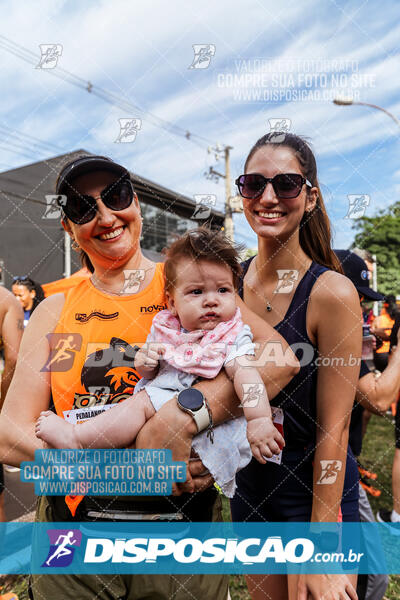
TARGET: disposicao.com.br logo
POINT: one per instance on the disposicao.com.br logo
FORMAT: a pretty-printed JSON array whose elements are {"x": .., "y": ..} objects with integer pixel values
[
  {"x": 153, "y": 544},
  {"x": 192, "y": 550},
  {"x": 189, "y": 550}
]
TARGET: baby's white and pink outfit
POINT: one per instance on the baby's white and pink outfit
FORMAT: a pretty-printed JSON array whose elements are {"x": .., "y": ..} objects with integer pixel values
[{"x": 200, "y": 353}]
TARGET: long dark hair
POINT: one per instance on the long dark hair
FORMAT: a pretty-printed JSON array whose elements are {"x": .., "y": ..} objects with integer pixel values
[
  {"x": 85, "y": 261},
  {"x": 31, "y": 286},
  {"x": 315, "y": 229}
]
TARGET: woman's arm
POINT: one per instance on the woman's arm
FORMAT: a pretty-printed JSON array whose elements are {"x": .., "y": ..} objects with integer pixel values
[
  {"x": 29, "y": 392},
  {"x": 335, "y": 316},
  {"x": 335, "y": 321},
  {"x": 376, "y": 394}
]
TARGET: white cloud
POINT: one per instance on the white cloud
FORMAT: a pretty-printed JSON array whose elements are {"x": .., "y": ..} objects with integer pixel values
[{"x": 142, "y": 52}]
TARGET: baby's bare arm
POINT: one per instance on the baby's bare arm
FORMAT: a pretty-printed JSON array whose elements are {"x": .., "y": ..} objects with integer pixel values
[
  {"x": 250, "y": 389},
  {"x": 263, "y": 437}
]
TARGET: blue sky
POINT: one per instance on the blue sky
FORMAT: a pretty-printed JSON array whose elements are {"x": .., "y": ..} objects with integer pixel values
[{"x": 141, "y": 53}]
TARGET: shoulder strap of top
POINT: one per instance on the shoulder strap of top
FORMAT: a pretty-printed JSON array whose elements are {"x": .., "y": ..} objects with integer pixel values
[
  {"x": 295, "y": 318},
  {"x": 301, "y": 295},
  {"x": 305, "y": 286},
  {"x": 245, "y": 267}
]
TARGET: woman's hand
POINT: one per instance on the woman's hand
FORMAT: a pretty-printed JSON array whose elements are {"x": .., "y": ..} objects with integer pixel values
[
  {"x": 201, "y": 476},
  {"x": 173, "y": 429},
  {"x": 326, "y": 587}
]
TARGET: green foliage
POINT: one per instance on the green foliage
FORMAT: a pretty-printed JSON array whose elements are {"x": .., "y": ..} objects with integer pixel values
[
  {"x": 249, "y": 252},
  {"x": 381, "y": 236}
]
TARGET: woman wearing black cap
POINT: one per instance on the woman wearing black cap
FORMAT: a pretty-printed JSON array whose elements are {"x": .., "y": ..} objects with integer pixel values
[{"x": 80, "y": 349}]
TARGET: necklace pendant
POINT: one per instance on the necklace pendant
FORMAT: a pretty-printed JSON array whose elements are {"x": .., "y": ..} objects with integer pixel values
[{"x": 268, "y": 307}]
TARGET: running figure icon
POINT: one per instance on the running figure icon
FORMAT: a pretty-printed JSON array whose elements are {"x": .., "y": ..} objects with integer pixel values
[
  {"x": 63, "y": 346},
  {"x": 62, "y": 550}
]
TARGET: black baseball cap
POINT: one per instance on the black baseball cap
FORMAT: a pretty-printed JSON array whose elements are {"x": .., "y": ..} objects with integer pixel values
[
  {"x": 86, "y": 164},
  {"x": 357, "y": 271}
]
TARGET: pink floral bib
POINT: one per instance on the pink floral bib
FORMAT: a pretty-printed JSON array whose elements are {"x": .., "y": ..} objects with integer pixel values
[{"x": 199, "y": 352}]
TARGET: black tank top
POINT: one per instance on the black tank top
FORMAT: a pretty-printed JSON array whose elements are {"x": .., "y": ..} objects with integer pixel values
[{"x": 298, "y": 398}]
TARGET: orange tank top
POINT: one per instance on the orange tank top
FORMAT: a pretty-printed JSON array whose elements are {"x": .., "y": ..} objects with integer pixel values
[
  {"x": 384, "y": 322},
  {"x": 93, "y": 346}
]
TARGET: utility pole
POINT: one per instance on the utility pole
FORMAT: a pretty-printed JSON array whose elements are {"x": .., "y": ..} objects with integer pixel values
[
  {"x": 228, "y": 222},
  {"x": 375, "y": 284},
  {"x": 215, "y": 175}
]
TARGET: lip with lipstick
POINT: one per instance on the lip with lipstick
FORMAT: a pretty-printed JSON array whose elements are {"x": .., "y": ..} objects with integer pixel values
[{"x": 111, "y": 235}]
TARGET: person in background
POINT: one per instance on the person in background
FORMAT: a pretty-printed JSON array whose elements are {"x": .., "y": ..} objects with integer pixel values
[
  {"x": 29, "y": 293},
  {"x": 367, "y": 313},
  {"x": 381, "y": 328},
  {"x": 393, "y": 336},
  {"x": 393, "y": 516},
  {"x": 375, "y": 395},
  {"x": 368, "y": 258},
  {"x": 60, "y": 286},
  {"x": 11, "y": 329}
]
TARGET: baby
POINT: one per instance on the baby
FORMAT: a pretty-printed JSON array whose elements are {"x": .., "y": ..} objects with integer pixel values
[{"x": 200, "y": 333}]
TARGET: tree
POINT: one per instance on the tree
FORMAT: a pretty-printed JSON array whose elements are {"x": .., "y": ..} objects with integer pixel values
[{"x": 381, "y": 236}]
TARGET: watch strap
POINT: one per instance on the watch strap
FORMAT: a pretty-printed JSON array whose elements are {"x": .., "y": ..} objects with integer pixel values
[{"x": 201, "y": 417}]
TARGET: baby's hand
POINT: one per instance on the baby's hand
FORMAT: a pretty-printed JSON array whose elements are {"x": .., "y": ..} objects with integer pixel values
[
  {"x": 147, "y": 358},
  {"x": 264, "y": 438}
]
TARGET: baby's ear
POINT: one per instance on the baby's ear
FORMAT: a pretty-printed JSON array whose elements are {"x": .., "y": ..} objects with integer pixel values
[{"x": 170, "y": 303}]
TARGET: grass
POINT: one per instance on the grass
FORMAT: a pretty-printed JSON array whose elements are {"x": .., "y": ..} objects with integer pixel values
[
  {"x": 377, "y": 456},
  {"x": 16, "y": 584}
]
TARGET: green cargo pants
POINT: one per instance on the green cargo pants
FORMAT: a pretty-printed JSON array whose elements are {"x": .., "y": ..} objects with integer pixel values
[{"x": 125, "y": 587}]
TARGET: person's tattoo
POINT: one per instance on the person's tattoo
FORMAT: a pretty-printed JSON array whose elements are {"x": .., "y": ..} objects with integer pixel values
[{"x": 20, "y": 324}]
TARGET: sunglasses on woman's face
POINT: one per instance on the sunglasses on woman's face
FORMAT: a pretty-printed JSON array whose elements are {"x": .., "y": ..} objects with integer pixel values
[
  {"x": 22, "y": 279},
  {"x": 286, "y": 185},
  {"x": 82, "y": 208}
]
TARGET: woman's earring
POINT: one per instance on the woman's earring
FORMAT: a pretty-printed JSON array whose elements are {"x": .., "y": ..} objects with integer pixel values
[{"x": 74, "y": 245}]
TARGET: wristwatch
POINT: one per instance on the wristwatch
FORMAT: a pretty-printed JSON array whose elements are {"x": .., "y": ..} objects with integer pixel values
[{"x": 193, "y": 402}]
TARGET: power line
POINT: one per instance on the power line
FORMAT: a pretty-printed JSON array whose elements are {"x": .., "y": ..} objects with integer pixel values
[
  {"x": 29, "y": 150},
  {"x": 30, "y": 138},
  {"x": 28, "y": 56}
]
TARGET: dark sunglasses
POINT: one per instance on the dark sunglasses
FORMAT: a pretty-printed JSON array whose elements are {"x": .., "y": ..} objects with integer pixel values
[
  {"x": 286, "y": 185},
  {"x": 82, "y": 208}
]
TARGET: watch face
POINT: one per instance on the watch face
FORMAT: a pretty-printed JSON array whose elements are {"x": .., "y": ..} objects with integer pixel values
[{"x": 191, "y": 399}]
